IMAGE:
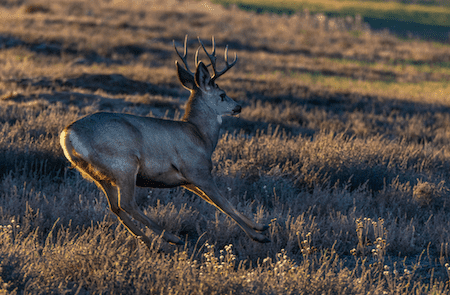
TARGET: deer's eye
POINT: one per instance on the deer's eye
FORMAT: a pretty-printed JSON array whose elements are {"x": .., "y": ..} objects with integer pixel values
[{"x": 222, "y": 96}]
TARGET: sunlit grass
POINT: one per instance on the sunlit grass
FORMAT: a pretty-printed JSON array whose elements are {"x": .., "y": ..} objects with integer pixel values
[
  {"x": 405, "y": 66},
  {"x": 425, "y": 91}
]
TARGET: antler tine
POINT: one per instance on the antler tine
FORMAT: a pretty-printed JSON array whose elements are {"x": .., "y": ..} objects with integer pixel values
[
  {"x": 213, "y": 44},
  {"x": 228, "y": 66},
  {"x": 196, "y": 55},
  {"x": 212, "y": 58},
  {"x": 183, "y": 58}
]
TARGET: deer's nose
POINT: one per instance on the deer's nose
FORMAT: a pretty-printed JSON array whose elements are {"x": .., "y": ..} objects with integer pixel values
[{"x": 237, "y": 109}]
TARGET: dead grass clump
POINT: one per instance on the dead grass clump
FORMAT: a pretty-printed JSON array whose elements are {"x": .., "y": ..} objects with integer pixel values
[
  {"x": 35, "y": 8},
  {"x": 425, "y": 193},
  {"x": 9, "y": 95}
]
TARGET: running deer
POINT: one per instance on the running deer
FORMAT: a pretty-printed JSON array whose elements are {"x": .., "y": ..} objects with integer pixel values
[{"x": 121, "y": 151}]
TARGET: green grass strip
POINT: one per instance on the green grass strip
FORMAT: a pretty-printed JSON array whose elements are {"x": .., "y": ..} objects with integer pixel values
[
  {"x": 429, "y": 91},
  {"x": 421, "y": 14}
]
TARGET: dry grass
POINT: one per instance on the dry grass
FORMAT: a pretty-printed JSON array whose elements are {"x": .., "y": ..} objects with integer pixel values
[{"x": 341, "y": 146}]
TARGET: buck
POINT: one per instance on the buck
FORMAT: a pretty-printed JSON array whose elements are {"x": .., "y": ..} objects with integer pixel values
[{"x": 120, "y": 151}]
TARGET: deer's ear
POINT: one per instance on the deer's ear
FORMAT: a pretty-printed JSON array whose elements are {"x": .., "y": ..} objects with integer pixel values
[
  {"x": 186, "y": 78},
  {"x": 202, "y": 77}
]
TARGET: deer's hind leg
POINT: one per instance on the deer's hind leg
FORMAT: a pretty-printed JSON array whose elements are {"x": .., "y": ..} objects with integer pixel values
[
  {"x": 111, "y": 191},
  {"x": 112, "y": 195},
  {"x": 127, "y": 203}
]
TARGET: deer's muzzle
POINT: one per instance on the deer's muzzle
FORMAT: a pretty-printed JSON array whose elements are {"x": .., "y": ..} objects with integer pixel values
[{"x": 237, "y": 109}]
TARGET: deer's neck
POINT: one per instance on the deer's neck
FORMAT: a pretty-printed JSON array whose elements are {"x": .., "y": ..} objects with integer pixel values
[{"x": 206, "y": 121}]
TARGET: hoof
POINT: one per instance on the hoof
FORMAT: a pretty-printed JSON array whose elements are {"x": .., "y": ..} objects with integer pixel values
[
  {"x": 173, "y": 240},
  {"x": 265, "y": 240},
  {"x": 177, "y": 243},
  {"x": 261, "y": 239},
  {"x": 264, "y": 228}
]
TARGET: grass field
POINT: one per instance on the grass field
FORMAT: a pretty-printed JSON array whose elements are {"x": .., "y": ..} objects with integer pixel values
[
  {"x": 422, "y": 14},
  {"x": 424, "y": 19},
  {"x": 342, "y": 147}
]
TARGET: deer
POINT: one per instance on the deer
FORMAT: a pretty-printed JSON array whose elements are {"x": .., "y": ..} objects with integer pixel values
[{"x": 120, "y": 151}]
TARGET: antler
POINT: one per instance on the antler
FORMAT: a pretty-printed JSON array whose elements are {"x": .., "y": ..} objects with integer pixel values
[
  {"x": 212, "y": 57},
  {"x": 183, "y": 58}
]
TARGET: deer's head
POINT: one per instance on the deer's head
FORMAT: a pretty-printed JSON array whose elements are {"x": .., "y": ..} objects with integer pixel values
[{"x": 203, "y": 86}]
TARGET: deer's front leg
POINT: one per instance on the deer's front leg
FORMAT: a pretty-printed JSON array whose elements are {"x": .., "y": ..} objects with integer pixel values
[{"x": 207, "y": 190}]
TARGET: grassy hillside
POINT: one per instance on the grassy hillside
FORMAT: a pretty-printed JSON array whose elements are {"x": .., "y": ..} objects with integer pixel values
[
  {"x": 428, "y": 20},
  {"x": 342, "y": 147},
  {"x": 421, "y": 14}
]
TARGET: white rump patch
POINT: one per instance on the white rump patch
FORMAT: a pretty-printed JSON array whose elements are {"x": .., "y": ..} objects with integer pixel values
[
  {"x": 78, "y": 146},
  {"x": 219, "y": 119}
]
